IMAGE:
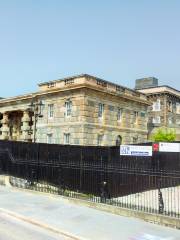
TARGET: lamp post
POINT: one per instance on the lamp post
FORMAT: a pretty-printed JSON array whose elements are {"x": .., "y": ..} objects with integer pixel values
[{"x": 36, "y": 109}]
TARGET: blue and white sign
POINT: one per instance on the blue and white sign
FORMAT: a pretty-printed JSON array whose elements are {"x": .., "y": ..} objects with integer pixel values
[{"x": 133, "y": 150}]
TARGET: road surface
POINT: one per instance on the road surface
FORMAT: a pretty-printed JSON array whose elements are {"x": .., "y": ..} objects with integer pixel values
[
  {"x": 15, "y": 229},
  {"x": 73, "y": 219}
]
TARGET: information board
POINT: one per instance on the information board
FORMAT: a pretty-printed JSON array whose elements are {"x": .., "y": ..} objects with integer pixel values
[
  {"x": 134, "y": 150},
  {"x": 169, "y": 147}
]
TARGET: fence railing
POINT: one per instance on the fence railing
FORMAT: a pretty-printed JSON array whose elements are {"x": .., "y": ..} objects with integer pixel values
[{"x": 100, "y": 174}]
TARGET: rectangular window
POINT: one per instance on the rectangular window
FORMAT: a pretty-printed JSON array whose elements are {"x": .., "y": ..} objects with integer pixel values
[
  {"x": 170, "y": 120},
  {"x": 135, "y": 117},
  {"x": 170, "y": 106},
  {"x": 100, "y": 110},
  {"x": 66, "y": 138},
  {"x": 178, "y": 108},
  {"x": 49, "y": 138},
  {"x": 50, "y": 110},
  {"x": 178, "y": 121},
  {"x": 99, "y": 140},
  {"x": 156, "y": 119},
  {"x": 68, "y": 107},
  {"x": 157, "y": 105},
  {"x": 119, "y": 115}
]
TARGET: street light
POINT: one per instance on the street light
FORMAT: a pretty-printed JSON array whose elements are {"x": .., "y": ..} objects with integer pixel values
[{"x": 36, "y": 108}]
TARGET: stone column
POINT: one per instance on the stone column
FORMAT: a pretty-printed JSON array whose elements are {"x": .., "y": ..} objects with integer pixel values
[
  {"x": 5, "y": 127},
  {"x": 25, "y": 126}
]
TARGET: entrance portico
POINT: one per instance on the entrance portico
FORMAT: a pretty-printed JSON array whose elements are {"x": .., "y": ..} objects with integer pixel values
[{"x": 16, "y": 125}]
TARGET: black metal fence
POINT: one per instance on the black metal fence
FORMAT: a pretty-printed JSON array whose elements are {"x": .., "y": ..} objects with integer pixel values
[{"x": 150, "y": 184}]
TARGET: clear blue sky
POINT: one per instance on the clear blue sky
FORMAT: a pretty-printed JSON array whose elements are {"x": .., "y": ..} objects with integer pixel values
[{"x": 119, "y": 41}]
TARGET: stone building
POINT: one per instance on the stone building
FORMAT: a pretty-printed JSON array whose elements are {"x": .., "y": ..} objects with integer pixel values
[
  {"x": 165, "y": 108},
  {"x": 81, "y": 110}
]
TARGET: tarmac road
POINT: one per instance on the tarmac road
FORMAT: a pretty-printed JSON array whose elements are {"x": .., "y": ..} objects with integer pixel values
[{"x": 15, "y": 229}]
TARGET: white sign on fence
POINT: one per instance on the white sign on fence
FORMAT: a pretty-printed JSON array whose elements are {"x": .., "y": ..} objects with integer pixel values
[
  {"x": 169, "y": 147},
  {"x": 133, "y": 150}
]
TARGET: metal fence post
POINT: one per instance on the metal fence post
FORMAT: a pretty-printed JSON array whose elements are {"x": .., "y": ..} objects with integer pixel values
[
  {"x": 103, "y": 192},
  {"x": 161, "y": 202}
]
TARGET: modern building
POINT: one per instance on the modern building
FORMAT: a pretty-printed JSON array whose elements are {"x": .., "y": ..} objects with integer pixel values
[
  {"x": 165, "y": 108},
  {"x": 81, "y": 109}
]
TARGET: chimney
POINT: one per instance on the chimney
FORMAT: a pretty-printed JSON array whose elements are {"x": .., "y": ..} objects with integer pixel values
[{"x": 146, "y": 83}]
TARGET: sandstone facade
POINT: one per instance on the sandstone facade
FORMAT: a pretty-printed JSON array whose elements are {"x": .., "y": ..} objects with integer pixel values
[{"x": 81, "y": 110}]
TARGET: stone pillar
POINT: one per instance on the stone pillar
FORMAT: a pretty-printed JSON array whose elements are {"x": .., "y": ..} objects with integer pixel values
[
  {"x": 25, "y": 126},
  {"x": 15, "y": 132},
  {"x": 5, "y": 127}
]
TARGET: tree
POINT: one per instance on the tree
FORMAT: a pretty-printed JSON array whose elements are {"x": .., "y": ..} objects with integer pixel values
[{"x": 164, "y": 135}]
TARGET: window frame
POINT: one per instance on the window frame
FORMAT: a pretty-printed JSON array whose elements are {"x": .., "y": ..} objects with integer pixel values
[
  {"x": 156, "y": 122},
  {"x": 156, "y": 107},
  {"x": 170, "y": 106},
  {"x": 136, "y": 115},
  {"x": 177, "y": 107},
  {"x": 50, "y": 110},
  {"x": 49, "y": 137},
  {"x": 119, "y": 115},
  {"x": 100, "y": 138},
  {"x": 67, "y": 138},
  {"x": 100, "y": 110},
  {"x": 170, "y": 120},
  {"x": 68, "y": 108}
]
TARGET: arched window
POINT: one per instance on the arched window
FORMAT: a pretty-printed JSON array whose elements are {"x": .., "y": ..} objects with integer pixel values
[{"x": 118, "y": 140}]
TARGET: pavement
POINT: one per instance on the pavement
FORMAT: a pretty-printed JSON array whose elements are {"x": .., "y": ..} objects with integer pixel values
[{"x": 59, "y": 216}]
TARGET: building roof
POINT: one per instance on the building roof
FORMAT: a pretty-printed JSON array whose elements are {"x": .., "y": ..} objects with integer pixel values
[
  {"x": 79, "y": 81},
  {"x": 88, "y": 76},
  {"x": 160, "y": 89}
]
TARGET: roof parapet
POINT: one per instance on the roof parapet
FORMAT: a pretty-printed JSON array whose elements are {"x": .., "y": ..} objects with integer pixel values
[{"x": 90, "y": 80}]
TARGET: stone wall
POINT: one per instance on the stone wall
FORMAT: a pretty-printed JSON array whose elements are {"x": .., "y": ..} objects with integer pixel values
[
  {"x": 165, "y": 114},
  {"x": 60, "y": 124},
  {"x": 84, "y": 125}
]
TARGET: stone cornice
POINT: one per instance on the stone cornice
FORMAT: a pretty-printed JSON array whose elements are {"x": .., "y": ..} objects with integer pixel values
[
  {"x": 70, "y": 88},
  {"x": 161, "y": 90},
  {"x": 87, "y": 76}
]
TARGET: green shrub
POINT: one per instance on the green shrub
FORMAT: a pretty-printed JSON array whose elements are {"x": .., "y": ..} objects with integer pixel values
[{"x": 164, "y": 135}]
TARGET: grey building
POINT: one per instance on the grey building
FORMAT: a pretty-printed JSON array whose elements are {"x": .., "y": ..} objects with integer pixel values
[{"x": 165, "y": 108}]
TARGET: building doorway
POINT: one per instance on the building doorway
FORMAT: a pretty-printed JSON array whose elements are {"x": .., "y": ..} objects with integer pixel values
[{"x": 118, "y": 140}]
